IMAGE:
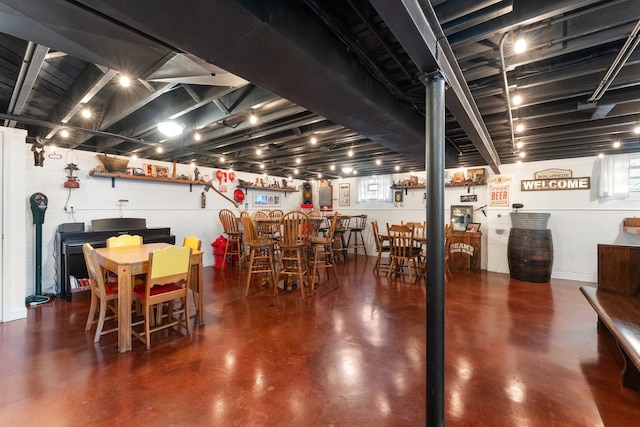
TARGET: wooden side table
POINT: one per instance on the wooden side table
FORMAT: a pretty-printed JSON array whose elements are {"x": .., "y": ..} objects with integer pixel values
[{"x": 465, "y": 252}]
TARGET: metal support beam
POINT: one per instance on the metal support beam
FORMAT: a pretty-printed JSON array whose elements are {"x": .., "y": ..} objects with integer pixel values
[
  {"x": 31, "y": 64},
  {"x": 435, "y": 142}
]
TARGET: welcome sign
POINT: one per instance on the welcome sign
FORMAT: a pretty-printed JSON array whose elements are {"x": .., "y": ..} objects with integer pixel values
[{"x": 555, "y": 179}]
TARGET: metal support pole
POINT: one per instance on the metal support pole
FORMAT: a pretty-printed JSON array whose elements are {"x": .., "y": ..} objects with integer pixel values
[{"x": 435, "y": 133}]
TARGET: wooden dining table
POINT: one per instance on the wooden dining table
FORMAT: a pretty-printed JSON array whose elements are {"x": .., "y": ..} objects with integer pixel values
[{"x": 130, "y": 261}]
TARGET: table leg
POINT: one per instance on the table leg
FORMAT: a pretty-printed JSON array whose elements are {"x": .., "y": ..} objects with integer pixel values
[
  {"x": 200, "y": 287},
  {"x": 124, "y": 308}
]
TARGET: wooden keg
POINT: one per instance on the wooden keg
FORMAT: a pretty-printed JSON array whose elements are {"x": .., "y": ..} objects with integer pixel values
[{"x": 530, "y": 255}]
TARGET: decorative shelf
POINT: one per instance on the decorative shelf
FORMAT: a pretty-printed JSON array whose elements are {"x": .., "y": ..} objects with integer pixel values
[
  {"x": 406, "y": 188},
  {"x": 631, "y": 225},
  {"x": 118, "y": 175},
  {"x": 284, "y": 190}
]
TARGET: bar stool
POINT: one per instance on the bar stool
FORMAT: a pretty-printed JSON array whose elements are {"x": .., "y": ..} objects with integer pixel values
[
  {"x": 235, "y": 238},
  {"x": 294, "y": 241},
  {"x": 261, "y": 262},
  {"x": 339, "y": 244},
  {"x": 360, "y": 223},
  {"x": 322, "y": 253}
]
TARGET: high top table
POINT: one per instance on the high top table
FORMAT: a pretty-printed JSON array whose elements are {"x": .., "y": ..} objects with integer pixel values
[{"x": 130, "y": 261}]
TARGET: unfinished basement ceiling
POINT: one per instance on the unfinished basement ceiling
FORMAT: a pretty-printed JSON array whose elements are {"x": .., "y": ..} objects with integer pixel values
[{"x": 348, "y": 73}]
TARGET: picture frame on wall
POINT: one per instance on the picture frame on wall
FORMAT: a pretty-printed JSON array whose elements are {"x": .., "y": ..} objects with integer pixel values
[
  {"x": 473, "y": 227},
  {"x": 344, "y": 198},
  {"x": 266, "y": 200}
]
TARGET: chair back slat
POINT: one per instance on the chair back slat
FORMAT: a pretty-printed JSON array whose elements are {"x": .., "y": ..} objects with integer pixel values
[
  {"x": 401, "y": 240},
  {"x": 124, "y": 240},
  {"x": 249, "y": 226},
  {"x": 192, "y": 242},
  {"x": 229, "y": 221},
  {"x": 295, "y": 228}
]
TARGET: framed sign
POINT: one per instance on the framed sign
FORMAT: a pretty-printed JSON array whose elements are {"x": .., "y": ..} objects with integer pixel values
[
  {"x": 266, "y": 200},
  {"x": 344, "y": 198}
]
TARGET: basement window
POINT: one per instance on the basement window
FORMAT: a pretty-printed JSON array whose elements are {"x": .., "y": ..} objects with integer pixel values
[{"x": 634, "y": 174}]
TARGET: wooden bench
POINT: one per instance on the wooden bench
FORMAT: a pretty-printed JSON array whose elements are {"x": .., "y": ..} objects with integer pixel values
[
  {"x": 616, "y": 300},
  {"x": 620, "y": 315}
]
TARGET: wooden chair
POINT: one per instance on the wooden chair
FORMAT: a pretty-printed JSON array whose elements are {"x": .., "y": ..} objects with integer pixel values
[
  {"x": 355, "y": 231},
  {"x": 167, "y": 280},
  {"x": 235, "y": 237},
  {"x": 340, "y": 245},
  {"x": 102, "y": 294},
  {"x": 314, "y": 213},
  {"x": 261, "y": 260},
  {"x": 121, "y": 241},
  {"x": 403, "y": 252},
  {"x": 380, "y": 249},
  {"x": 194, "y": 282},
  {"x": 294, "y": 241},
  {"x": 124, "y": 240},
  {"x": 276, "y": 213},
  {"x": 419, "y": 232},
  {"x": 321, "y": 256}
]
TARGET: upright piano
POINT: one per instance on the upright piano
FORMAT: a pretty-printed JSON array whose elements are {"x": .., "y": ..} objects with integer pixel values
[{"x": 71, "y": 236}]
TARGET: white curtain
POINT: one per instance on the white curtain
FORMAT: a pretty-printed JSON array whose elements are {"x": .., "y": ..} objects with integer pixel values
[
  {"x": 365, "y": 186},
  {"x": 612, "y": 176}
]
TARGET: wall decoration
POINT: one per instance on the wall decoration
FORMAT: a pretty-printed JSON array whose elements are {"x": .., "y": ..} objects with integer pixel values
[
  {"x": 266, "y": 200},
  {"x": 345, "y": 195},
  {"x": 555, "y": 179}
]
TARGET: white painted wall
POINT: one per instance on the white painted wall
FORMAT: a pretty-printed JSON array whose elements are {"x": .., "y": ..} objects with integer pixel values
[
  {"x": 162, "y": 204},
  {"x": 14, "y": 220},
  {"x": 578, "y": 220}
]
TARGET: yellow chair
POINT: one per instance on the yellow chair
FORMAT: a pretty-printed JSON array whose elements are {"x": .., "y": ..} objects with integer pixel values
[
  {"x": 194, "y": 283},
  {"x": 167, "y": 280},
  {"x": 105, "y": 295},
  {"x": 124, "y": 240},
  {"x": 261, "y": 261}
]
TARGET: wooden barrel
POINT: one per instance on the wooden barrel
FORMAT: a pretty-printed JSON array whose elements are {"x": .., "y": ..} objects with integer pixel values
[{"x": 530, "y": 255}]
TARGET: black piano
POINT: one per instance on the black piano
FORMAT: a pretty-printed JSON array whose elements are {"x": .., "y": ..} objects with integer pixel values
[{"x": 71, "y": 236}]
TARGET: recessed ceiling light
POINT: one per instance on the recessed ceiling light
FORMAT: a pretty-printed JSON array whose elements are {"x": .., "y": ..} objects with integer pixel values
[
  {"x": 197, "y": 136},
  {"x": 378, "y": 162},
  {"x": 519, "y": 127},
  {"x": 295, "y": 171},
  {"x": 332, "y": 167},
  {"x": 222, "y": 159},
  {"x": 170, "y": 128},
  {"x": 86, "y": 113},
  {"x": 520, "y": 144},
  {"x": 159, "y": 150},
  {"x": 135, "y": 156},
  {"x": 319, "y": 175},
  {"x": 314, "y": 140},
  {"x": 520, "y": 45},
  {"x": 397, "y": 168},
  {"x": 261, "y": 165},
  {"x": 600, "y": 155},
  {"x": 125, "y": 81},
  {"x": 522, "y": 154},
  {"x": 350, "y": 153},
  {"x": 347, "y": 169},
  {"x": 636, "y": 129},
  {"x": 258, "y": 151},
  {"x": 298, "y": 160},
  {"x": 616, "y": 144},
  {"x": 64, "y": 133},
  {"x": 192, "y": 164},
  {"x": 517, "y": 99},
  {"x": 253, "y": 119}
]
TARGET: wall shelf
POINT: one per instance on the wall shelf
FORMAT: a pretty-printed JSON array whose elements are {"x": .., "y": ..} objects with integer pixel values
[
  {"x": 406, "y": 188},
  {"x": 118, "y": 175},
  {"x": 284, "y": 190}
]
